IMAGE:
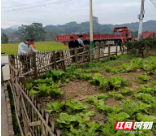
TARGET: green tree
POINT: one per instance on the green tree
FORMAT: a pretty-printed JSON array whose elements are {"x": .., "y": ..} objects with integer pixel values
[
  {"x": 135, "y": 33},
  {"x": 4, "y": 38},
  {"x": 34, "y": 31},
  {"x": 51, "y": 35},
  {"x": 144, "y": 44}
]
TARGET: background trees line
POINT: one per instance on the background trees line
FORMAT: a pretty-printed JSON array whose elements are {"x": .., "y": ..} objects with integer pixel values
[
  {"x": 4, "y": 38},
  {"x": 143, "y": 46},
  {"x": 49, "y": 32},
  {"x": 34, "y": 31}
]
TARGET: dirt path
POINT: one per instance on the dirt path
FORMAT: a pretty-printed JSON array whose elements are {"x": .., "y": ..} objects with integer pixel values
[{"x": 4, "y": 122}]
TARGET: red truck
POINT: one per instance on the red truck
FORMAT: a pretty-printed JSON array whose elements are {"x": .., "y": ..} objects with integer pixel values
[
  {"x": 147, "y": 34},
  {"x": 119, "y": 33}
]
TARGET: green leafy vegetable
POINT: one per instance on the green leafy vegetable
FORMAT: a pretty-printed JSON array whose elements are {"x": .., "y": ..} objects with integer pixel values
[
  {"x": 39, "y": 81},
  {"x": 116, "y": 81},
  {"x": 115, "y": 95},
  {"x": 145, "y": 118},
  {"x": 113, "y": 57},
  {"x": 56, "y": 92},
  {"x": 49, "y": 80},
  {"x": 120, "y": 116},
  {"x": 118, "y": 96},
  {"x": 126, "y": 91},
  {"x": 29, "y": 86},
  {"x": 144, "y": 77},
  {"x": 147, "y": 89},
  {"x": 87, "y": 70},
  {"x": 90, "y": 99},
  {"x": 145, "y": 97},
  {"x": 86, "y": 76},
  {"x": 134, "y": 107},
  {"x": 33, "y": 92},
  {"x": 112, "y": 70},
  {"x": 76, "y": 106},
  {"x": 55, "y": 107},
  {"x": 99, "y": 79},
  {"x": 102, "y": 96},
  {"x": 108, "y": 109},
  {"x": 66, "y": 120},
  {"x": 44, "y": 90}
]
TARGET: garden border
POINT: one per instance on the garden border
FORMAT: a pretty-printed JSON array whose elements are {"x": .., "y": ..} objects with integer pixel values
[
  {"x": 31, "y": 118},
  {"x": 8, "y": 113}
]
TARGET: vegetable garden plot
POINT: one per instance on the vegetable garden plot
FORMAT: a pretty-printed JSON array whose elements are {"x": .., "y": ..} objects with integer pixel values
[
  {"x": 75, "y": 117},
  {"x": 31, "y": 116}
]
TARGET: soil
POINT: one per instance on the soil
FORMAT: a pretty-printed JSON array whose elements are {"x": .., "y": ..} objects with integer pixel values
[
  {"x": 112, "y": 102},
  {"x": 106, "y": 74},
  {"x": 132, "y": 77},
  {"x": 80, "y": 90},
  {"x": 43, "y": 101},
  {"x": 99, "y": 117},
  {"x": 126, "y": 61}
]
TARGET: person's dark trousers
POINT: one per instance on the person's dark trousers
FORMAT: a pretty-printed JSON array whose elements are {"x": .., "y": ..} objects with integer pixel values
[
  {"x": 120, "y": 48},
  {"x": 25, "y": 63}
]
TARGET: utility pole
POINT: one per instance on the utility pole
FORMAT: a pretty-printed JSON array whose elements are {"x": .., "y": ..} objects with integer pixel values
[
  {"x": 140, "y": 17},
  {"x": 91, "y": 27}
]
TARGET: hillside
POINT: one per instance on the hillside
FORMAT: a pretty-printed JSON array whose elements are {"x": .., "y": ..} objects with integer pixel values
[
  {"x": 147, "y": 26},
  {"x": 7, "y": 31},
  {"x": 75, "y": 28}
]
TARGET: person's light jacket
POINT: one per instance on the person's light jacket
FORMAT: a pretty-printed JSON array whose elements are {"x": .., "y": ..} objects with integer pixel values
[{"x": 24, "y": 48}]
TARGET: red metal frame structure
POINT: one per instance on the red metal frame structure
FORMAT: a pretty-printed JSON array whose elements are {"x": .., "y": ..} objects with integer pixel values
[
  {"x": 147, "y": 34},
  {"x": 119, "y": 33}
]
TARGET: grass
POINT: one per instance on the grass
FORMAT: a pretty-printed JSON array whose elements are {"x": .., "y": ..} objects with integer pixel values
[
  {"x": 14, "y": 119},
  {"x": 40, "y": 46}
]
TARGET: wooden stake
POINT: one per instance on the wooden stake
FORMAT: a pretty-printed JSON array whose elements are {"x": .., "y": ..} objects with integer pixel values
[
  {"x": 54, "y": 60},
  {"x": 99, "y": 53},
  {"x": 35, "y": 67},
  {"x": 64, "y": 56},
  {"x": 116, "y": 49},
  {"x": 108, "y": 52},
  {"x": 23, "y": 81},
  {"x": 76, "y": 58}
]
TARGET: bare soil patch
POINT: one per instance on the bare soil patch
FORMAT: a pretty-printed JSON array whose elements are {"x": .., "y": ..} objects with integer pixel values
[
  {"x": 112, "y": 102},
  {"x": 132, "y": 78},
  {"x": 80, "y": 90},
  {"x": 43, "y": 101},
  {"x": 99, "y": 117},
  {"x": 106, "y": 74}
]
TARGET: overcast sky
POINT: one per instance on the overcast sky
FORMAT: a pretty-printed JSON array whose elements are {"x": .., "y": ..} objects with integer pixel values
[{"x": 63, "y": 11}]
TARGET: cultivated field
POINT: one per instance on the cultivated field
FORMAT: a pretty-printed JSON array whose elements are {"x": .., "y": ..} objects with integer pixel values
[
  {"x": 40, "y": 46},
  {"x": 98, "y": 94}
]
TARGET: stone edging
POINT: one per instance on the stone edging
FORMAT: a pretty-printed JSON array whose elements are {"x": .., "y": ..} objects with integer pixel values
[{"x": 9, "y": 113}]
